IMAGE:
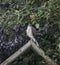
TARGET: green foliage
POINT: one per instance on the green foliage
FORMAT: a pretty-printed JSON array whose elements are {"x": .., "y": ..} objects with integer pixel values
[{"x": 35, "y": 11}]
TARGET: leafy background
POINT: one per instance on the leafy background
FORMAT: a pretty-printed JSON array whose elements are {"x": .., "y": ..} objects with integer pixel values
[{"x": 14, "y": 14}]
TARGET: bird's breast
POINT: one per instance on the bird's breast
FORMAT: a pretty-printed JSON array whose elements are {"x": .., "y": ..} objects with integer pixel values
[{"x": 29, "y": 31}]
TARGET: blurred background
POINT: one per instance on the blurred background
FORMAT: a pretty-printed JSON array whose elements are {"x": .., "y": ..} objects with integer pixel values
[{"x": 14, "y": 14}]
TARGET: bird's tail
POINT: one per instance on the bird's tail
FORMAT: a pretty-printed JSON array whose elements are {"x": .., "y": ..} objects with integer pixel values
[{"x": 35, "y": 41}]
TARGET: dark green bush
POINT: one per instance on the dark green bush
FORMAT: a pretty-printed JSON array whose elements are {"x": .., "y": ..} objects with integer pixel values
[{"x": 35, "y": 12}]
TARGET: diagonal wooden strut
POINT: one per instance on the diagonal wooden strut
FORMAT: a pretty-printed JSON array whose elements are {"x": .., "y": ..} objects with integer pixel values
[
  {"x": 16, "y": 54},
  {"x": 24, "y": 48}
]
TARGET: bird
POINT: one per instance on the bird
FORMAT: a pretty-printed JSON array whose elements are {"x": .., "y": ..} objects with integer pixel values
[{"x": 29, "y": 32}]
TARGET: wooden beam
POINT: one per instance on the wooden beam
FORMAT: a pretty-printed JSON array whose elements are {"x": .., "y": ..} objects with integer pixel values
[
  {"x": 42, "y": 53},
  {"x": 24, "y": 48},
  {"x": 16, "y": 54}
]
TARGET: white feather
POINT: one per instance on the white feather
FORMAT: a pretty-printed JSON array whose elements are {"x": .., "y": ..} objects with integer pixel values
[{"x": 30, "y": 34}]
